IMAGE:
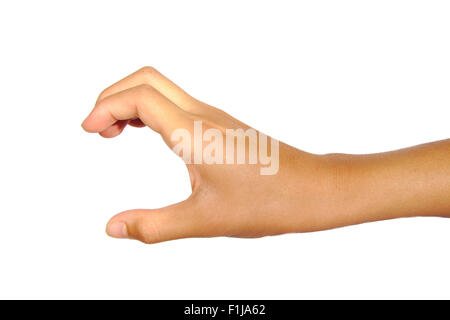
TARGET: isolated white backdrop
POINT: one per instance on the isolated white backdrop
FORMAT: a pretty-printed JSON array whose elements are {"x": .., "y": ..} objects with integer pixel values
[{"x": 324, "y": 76}]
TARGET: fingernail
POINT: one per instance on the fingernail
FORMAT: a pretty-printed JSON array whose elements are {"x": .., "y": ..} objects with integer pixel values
[{"x": 117, "y": 230}]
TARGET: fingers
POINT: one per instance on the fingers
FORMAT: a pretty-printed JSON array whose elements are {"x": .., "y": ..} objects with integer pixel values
[
  {"x": 146, "y": 76},
  {"x": 115, "y": 129},
  {"x": 143, "y": 102},
  {"x": 136, "y": 123},
  {"x": 153, "y": 226},
  {"x": 154, "y": 78}
]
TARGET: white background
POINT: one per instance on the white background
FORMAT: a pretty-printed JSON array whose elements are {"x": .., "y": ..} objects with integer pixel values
[{"x": 324, "y": 76}]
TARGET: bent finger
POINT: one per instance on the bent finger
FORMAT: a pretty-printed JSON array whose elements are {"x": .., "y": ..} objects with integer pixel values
[
  {"x": 152, "y": 77},
  {"x": 143, "y": 102}
]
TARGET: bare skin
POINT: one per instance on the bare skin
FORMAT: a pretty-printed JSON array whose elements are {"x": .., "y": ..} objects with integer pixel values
[{"x": 308, "y": 193}]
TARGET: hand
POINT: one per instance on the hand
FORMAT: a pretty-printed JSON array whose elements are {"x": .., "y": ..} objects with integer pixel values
[
  {"x": 295, "y": 192},
  {"x": 227, "y": 199}
]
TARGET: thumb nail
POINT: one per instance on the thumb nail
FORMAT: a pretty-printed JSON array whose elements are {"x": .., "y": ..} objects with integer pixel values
[{"x": 117, "y": 230}]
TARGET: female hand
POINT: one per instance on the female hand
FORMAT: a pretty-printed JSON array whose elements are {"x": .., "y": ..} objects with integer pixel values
[{"x": 286, "y": 190}]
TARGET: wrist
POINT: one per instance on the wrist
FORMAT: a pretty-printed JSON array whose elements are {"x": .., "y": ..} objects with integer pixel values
[{"x": 322, "y": 194}]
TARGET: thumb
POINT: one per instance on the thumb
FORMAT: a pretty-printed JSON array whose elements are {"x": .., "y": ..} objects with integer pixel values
[{"x": 152, "y": 226}]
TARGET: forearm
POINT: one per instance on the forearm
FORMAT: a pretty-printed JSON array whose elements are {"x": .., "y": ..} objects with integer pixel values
[{"x": 404, "y": 183}]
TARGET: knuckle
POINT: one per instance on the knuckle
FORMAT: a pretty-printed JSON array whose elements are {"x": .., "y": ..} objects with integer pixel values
[
  {"x": 101, "y": 103},
  {"x": 145, "y": 90},
  {"x": 192, "y": 105},
  {"x": 195, "y": 117},
  {"x": 148, "y": 231},
  {"x": 103, "y": 95},
  {"x": 148, "y": 72}
]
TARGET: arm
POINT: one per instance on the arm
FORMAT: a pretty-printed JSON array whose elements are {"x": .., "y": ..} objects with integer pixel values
[
  {"x": 404, "y": 183},
  {"x": 261, "y": 187}
]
